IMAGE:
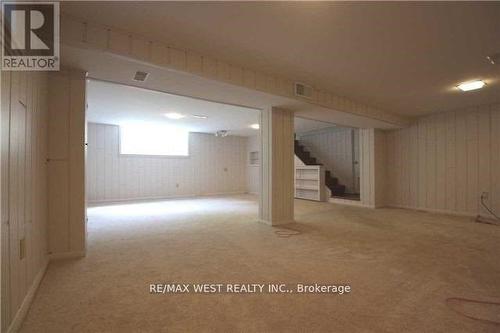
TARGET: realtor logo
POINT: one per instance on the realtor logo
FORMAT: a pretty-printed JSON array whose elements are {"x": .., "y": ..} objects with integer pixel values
[{"x": 30, "y": 36}]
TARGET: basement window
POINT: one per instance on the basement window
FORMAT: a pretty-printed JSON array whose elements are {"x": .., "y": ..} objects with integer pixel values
[{"x": 153, "y": 139}]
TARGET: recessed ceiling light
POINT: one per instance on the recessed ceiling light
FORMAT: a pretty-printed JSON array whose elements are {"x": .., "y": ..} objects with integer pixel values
[
  {"x": 255, "y": 126},
  {"x": 199, "y": 116},
  {"x": 174, "y": 115},
  {"x": 471, "y": 85}
]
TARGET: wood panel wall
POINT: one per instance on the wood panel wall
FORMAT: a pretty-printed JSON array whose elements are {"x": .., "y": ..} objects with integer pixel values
[
  {"x": 253, "y": 171},
  {"x": 215, "y": 166},
  {"x": 78, "y": 33},
  {"x": 334, "y": 148},
  {"x": 443, "y": 162},
  {"x": 66, "y": 170},
  {"x": 24, "y": 190}
]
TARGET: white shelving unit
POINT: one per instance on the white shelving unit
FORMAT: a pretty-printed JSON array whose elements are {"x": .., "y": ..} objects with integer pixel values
[{"x": 310, "y": 182}]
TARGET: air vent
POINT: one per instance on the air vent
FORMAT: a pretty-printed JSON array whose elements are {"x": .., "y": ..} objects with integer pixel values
[
  {"x": 140, "y": 76},
  {"x": 303, "y": 90}
]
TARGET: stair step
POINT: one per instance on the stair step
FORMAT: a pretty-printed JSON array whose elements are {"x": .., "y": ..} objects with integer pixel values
[
  {"x": 331, "y": 182},
  {"x": 338, "y": 190}
]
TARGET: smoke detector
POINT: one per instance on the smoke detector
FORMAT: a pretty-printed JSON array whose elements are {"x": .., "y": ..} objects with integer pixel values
[
  {"x": 221, "y": 133},
  {"x": 140, "y": 76},
  {"x": 303, "y": 90}
]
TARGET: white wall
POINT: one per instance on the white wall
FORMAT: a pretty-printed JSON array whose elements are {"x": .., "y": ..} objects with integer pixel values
[
  {"x": 333, "y": 147},
  {"x": 443, "y": 162},
  {"x": 253, "y": 177},
  {"x": 215, "y": 166},
  {"x": 23, "y": 190}
]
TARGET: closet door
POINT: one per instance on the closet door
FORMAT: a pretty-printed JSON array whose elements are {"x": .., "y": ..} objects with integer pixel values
[
  {"x": 17, "y": 195},
  {"x": 5, "y": 135}
]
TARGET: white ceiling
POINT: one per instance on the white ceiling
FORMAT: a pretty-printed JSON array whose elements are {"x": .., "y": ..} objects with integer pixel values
[
  {"x": 404, "y": 57},
  {"x": 111, "y": 103}
]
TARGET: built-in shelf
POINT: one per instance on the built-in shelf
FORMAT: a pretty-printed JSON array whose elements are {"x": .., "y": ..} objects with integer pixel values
[
  {"x": 310, "y": 182},
  {"x": 253, "y": 158},
  {"x": 310, "y": 188}
]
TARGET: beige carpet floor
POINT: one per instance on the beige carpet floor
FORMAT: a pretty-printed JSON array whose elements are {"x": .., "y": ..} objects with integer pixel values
[{"x": 402, "y": 266}]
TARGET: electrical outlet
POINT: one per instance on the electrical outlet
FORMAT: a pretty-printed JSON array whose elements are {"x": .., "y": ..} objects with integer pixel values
[{"x": 22, "y": 248}]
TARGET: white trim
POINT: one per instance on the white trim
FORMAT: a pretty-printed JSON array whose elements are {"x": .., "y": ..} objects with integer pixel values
[
  {"x": 186, "y": 196},
  {"x": 21, "y": 313},
  {"x": 67, "y": 255},
  {"x": 349, "y": 202},
  {"x": 280, "y": 223},
  {"x": 436, "y": 211}
]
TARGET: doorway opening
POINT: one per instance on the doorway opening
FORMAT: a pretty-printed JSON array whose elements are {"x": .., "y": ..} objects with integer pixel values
[
  {"x": 154, "y": 156},
  {"x": 326, "y": 161}
]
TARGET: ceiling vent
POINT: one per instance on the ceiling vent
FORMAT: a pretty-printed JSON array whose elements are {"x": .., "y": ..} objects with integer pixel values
[
  {"x": 140, "y": 76},
  {"x": 303, "y": 90}
]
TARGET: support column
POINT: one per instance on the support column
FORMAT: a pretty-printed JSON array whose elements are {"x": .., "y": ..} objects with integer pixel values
[
  {"x": 277, "y": 166},
  {"x": 372, "y": 154}
]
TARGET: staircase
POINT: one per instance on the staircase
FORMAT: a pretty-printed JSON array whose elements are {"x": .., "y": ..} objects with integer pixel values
[{"x": 331, "y": 182}]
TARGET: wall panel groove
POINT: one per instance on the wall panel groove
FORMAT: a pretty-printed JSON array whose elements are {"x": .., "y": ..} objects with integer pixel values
[
  {"x": 455, "y": 159},
  {"x": 215, "y": 166}
]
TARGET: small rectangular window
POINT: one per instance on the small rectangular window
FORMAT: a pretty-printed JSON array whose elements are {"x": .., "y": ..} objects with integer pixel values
[{"x": 152, "y": 139}]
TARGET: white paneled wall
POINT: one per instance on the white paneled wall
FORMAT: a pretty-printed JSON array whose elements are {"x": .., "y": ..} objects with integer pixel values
[
  {"x": 443, "y": 162},
  {"x": 253, "y": 177},
  {"x": 89, "y": 35},
  {"x": 372, "y": 152},
  {"x": 66, "y": 167},
  {"x": 24, "y": 191},
  {"x": 333, "y": 148},
  {"x": 215, "y": 166}
]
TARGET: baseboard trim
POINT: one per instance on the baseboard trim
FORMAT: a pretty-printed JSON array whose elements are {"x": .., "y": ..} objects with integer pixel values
[
  {"x": 348, "y": 202},
  {"x": 435, "y": 211},
  {"x": 66, "y": 255},
  {"x": 269, "y": 223},
  {"x": 172, "y": 197},
  {"x": 28, "y": 300}
]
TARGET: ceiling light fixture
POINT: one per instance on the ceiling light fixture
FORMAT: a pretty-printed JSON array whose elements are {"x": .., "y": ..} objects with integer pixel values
[
  {"x": 174, "y": 115},
  {"x": 494, "y": 59},
  {"x": 221, "y": 133},
  {"x": 471, "y": 85},
  {"x": 199, "y": 116},
  {"x": 255, "y": 126}
]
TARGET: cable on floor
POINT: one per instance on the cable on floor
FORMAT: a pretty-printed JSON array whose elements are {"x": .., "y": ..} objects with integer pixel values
[
  {"x": 466, "y": 300},
  {"x": 479, "y": 217},
  {"x": 286, "y": 233},
  {"x": 488, "y": 209}
]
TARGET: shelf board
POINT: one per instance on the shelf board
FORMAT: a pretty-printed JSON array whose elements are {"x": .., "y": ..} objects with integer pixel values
[
  {"x": 307, "y": 188},
  {"x": 315, "y": 179}
]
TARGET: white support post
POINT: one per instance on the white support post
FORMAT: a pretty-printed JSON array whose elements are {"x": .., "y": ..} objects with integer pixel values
[{"x": 277, "y": 168}]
